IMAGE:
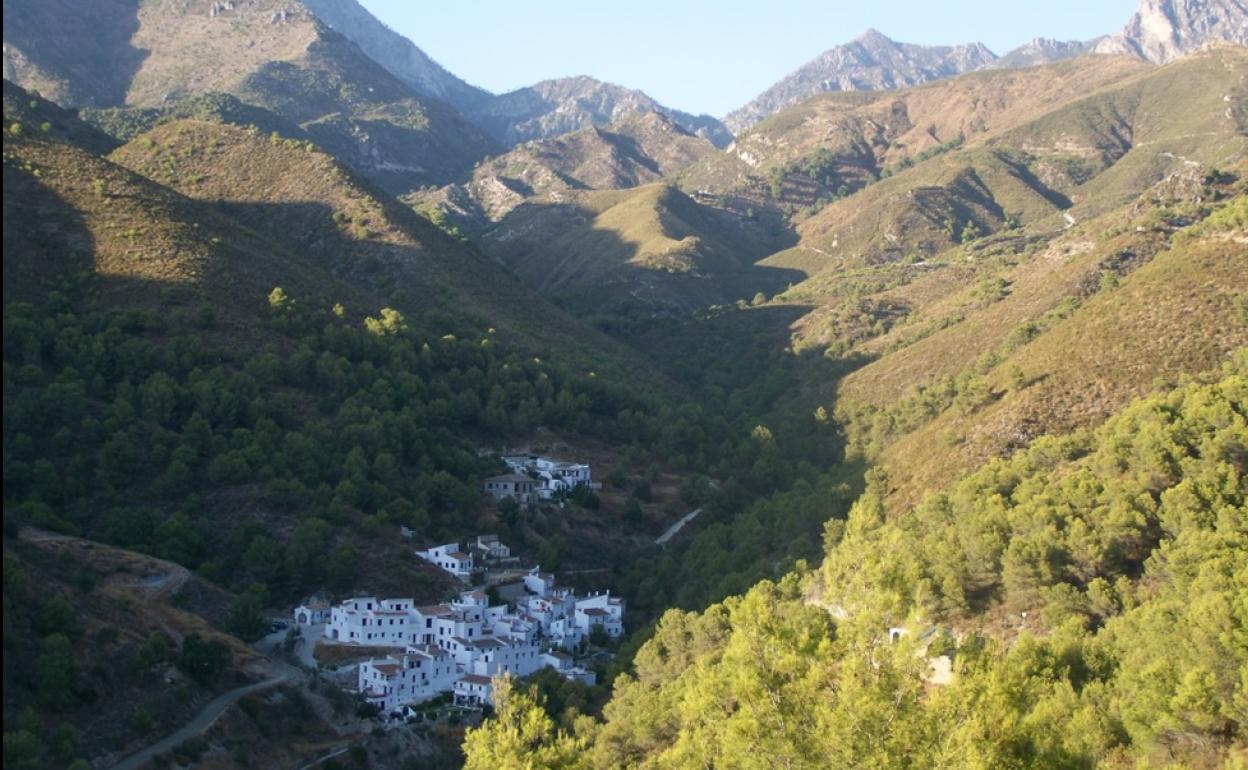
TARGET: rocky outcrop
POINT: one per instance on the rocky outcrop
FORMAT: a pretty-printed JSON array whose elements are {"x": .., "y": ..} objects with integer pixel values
[
  {"x": 1164, "y": 30},
  {"x": 397, "y": 54}
]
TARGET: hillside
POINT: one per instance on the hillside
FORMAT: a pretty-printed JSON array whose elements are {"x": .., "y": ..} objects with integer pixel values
[
  {"x": 640, "y": 148},
  {"x": 998, "y": 374},
  {"x": 117, "y": 645},
  {"x": 1074, "y": 607},
  {"x": 269, "y": 53},
  {"x": 654, "y": 247},
  {"x": 1078, "y": 158},
  {"x": 366, "y": 240},
  {"x": 834, "y": 144}
]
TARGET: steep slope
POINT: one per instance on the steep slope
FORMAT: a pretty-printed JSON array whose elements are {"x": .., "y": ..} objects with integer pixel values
[
  {"x": 654, "y": 247},
  {"x": 1164, "y": 30},
  {"x": 1075, "y": 606},
  {"x": 1078, "y": 155},
  {"x": 637, "y": 149},
  {"x": 833, "y": 144},
  {"x": 267, "y": 52},
  {"x": 279, "y": 187},
  {"x": 555, "y": 107},
  {"x": 97, "y": 638},
  {"x": 396, "y": 53},
  {"x": 872, "y": 62},
  {"x": 39, "y": 114}
]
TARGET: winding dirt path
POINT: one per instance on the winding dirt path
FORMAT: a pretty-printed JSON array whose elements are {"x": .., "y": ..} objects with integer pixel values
[
  {"x": 677, "y": 527},
  {"x": 208, "y": 715}
]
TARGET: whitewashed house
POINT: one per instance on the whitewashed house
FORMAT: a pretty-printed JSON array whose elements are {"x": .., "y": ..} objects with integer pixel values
[
  {"x": 539, "y": 583},
  {"x": 418, "y": 675},
  {"x": 370, "y": 621},
  {"x": 600, "y": 610},
  {"x": 450, "y": 558},
  {"x": 474, "y": 690},
  {"x": 315, "y": 611},
  {"x": 553, "y": 477},
  {"x": 566, "y": 667}
]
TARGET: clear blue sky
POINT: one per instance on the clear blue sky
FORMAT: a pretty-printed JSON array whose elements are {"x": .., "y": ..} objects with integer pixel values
[{"x": 709, "y": 55}]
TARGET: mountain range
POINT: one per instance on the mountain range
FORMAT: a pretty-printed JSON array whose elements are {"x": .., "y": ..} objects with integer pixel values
[
  {"x": 415, "y": 123},
  {"x": 1159, "y": 32}
]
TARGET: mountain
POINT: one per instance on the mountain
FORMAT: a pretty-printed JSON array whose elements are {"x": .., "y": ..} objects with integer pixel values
[
  {"x": 554, "y": 107},
  {"x": 396, "y": 53},
  {"x": 872, "y": 62},
  {"x": 639, "y": 148},
  {"x": 269, "y": 53},
  {"x": 1163, "y": 30},
  {"x": 1043, "y": 50},
  {"x": 807, "y": 156}
]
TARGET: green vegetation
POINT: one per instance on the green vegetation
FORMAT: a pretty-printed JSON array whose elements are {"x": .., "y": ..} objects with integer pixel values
[
  {"x": 126, "y": 123},
  {"x": 1125, "y": 547},
  {"x": 114, "y": 418}
]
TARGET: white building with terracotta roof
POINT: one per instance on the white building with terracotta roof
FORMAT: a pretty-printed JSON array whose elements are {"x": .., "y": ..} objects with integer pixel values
[
  {"x": 458, "y": 646},
  {"x": 600, "y": 610},
  {"x": 473, "y": 689},
  {"x": 369, "y": 621},
  {"x": 451, "y": 558},
  {"x": 417, "y": 675}
]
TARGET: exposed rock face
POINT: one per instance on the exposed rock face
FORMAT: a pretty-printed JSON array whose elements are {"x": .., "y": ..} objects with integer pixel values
[
  {"x": 398, "y": 55},
  {"x": 545, "y": 110},
  {"x": 555, "y": 107},
  {"x": 871, "y": 63},
  {"x": 1163, "y": 30}
]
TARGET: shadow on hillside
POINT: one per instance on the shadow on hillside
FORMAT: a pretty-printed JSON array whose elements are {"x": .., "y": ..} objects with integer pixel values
[
  {"x": 46, "y": 240},
  {"x": 560, "y": 250},
  {"x": 102, "y": 63}
]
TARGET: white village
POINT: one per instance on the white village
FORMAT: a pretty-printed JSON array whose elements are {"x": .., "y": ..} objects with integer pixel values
[{"x": 458, "y": 647}]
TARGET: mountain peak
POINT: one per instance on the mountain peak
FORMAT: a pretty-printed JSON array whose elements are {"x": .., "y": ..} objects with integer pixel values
[
  {"x": 871, "y": 62},
  {"x": 873, "y": 36},
  {"x": 1163, "y": 30}
]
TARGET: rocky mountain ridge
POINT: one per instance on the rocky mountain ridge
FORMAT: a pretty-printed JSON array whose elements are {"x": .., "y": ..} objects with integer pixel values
[
  {"x": 1159, "y": 32},
  {"x": 1164, "y": 30}
]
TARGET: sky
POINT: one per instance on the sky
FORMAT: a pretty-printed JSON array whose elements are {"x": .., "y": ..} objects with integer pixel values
[{"x": 706, "y": 56}]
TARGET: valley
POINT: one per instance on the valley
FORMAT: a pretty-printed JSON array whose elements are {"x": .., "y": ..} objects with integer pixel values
[{"x": 899, "y": 418}]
